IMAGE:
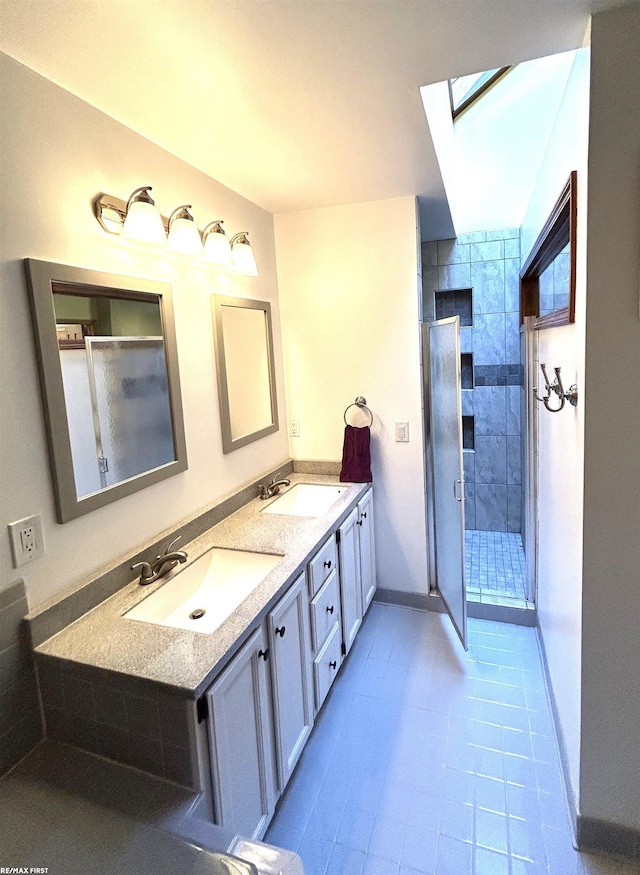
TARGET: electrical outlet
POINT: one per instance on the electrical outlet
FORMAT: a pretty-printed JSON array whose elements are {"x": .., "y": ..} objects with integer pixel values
[
  {"x": 27, "y": 540},
  {"x": 294, "y": 428}
]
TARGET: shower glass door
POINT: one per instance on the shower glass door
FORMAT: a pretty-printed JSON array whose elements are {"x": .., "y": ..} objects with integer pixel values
[{"x": 442, "y": 353}]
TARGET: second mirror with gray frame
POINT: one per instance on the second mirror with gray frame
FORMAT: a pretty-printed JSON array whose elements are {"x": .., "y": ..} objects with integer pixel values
[
  {"x": 109, "y": 377},
  {"x": 245, "y": 369}
]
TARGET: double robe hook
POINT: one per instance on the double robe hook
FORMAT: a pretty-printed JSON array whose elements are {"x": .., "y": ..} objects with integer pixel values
[{"x": 556, "y": 387}]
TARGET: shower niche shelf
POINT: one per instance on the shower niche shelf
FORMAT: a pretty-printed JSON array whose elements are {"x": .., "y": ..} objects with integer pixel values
[
  {"x": 457, "y": 302},
  {"x": 466, "y": 370},
  {"x": 468, "y": 433}
]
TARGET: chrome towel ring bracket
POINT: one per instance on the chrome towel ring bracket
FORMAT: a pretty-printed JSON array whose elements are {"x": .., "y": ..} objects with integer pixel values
[{"x": 361, "y": 404}]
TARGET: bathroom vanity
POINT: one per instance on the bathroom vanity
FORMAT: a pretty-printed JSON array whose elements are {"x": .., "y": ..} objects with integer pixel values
[{"x": 224, "y": 708}]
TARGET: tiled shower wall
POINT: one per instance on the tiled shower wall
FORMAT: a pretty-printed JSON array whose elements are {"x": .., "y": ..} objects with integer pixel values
[{"x": 488, "y": 263}]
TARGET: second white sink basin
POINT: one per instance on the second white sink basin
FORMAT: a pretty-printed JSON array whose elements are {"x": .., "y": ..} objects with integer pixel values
[
  {"x": 306, "y": 499},
  {"x": 201, "y": 597}
]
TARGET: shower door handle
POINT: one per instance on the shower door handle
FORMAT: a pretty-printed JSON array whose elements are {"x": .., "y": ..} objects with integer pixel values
[{"x": 455, "y": 491}]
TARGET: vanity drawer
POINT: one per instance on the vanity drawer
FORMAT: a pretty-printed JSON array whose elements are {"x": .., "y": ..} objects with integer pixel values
[
  {"x": 323, "y": 563},
  {"x": 326, "y": 665},
  {"x": 325, "y": 610}
]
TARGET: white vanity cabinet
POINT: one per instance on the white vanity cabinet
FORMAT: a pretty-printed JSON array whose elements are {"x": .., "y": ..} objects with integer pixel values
[
  {"x": 262, "y": 706},
  {"x": 241, "y": 741},
  {"x": 357, "y": 567},
  {"x": 326, "y": 627},
  {"x": 290, "y": 658}
]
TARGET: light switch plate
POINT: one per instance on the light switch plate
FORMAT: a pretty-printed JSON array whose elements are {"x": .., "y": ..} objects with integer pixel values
[
  {"x": 402, "y": 432},
  {"x": 27, "y": 540}
]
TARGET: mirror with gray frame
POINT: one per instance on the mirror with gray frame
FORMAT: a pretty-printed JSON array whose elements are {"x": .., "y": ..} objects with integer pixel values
[
  {"x": 246, "y": 371},
  {"x": 108, "y": 367}
]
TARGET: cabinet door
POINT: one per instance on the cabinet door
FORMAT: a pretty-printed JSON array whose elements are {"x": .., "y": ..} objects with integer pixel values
[
  {"x": 241, "y": 741},
  {"x": 367, "y": 550},
  {"x": 291, "y": 677},
  {"x": 350, "y": 589}
]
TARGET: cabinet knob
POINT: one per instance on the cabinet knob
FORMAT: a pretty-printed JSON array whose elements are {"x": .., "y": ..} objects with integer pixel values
[
  {"x": 264, "y": 654},
  {"x": 280, "y": 631},
  {"x": 330, "y": 609},
  {"x": 333, "y": 664},
  {"x": 327, "y": 564},
  {"x": 358, "y": 522},
  {"x": 364, "y": 514}
]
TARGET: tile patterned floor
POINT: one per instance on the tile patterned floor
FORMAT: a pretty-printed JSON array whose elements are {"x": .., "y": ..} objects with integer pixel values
[
  {"x": 495, "y": 567},
  {"x": 427, "y": 759}
]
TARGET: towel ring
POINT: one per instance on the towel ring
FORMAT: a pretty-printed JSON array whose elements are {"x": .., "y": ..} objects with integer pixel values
[{"x": 362, "y": 404}]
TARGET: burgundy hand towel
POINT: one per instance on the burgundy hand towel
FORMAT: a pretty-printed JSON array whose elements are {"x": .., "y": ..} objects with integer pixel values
[{"x": 356, "y": 455}]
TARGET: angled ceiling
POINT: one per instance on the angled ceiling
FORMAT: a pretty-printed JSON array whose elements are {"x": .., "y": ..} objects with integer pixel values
[{"x": 293, "y": 103}]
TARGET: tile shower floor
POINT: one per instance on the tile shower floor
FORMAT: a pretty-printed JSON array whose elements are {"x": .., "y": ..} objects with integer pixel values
[
  {"x": 427, "y": 759},
  {"x": 495, "y": 568}
]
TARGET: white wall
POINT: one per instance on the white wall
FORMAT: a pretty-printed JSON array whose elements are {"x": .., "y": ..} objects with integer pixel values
[
  {"x": 58, "y": 153},
  {"x": 561, "y": 435},
  {"x": 348, "y": 281},
  {"x": 610, "y": 772}
]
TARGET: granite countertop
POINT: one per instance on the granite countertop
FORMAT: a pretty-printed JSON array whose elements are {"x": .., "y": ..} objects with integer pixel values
[{"x": 188, "y": 661}]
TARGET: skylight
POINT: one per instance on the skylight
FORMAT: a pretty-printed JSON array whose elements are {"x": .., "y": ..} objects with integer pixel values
[{"x": 465, "y": 89}]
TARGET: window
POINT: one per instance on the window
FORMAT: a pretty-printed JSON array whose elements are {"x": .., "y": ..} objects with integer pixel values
[
  {"x": 548, "y": 278},
  {"x": 465, "y": 89}
]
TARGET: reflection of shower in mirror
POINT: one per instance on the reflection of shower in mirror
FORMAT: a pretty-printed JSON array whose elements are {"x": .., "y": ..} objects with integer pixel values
[{"x": 117, "y": 400}]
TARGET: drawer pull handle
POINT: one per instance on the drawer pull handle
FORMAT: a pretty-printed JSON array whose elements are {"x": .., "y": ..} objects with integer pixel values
[
  {"x": 330, "y": 609},
  {"x": 333, "y": 664},
  {"x": 280, "y": 631},
  {"x": 264, "y": 654},
  {"x": 327, "y": 564}
]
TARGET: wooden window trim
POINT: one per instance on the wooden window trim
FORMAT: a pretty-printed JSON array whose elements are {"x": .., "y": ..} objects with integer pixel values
[{"x": 559, "y": 229}]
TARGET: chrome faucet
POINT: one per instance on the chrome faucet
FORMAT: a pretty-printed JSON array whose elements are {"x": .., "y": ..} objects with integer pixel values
[
  {"x": 163, "y": 564},
  {"x": 273, "y": 488}
]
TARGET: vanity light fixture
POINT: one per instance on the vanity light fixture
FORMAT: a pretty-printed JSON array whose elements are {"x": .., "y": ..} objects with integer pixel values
[
  {"x": 217, "y": 249},
  {"x": 184, "y": 236},
  {"x": 139, "y": 219},
  {"x": 242, "y": 258},
  {"x": 142, "y": 219}
]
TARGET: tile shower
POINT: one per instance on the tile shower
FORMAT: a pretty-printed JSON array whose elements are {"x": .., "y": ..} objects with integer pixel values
[{"x": 476, "y": 276}]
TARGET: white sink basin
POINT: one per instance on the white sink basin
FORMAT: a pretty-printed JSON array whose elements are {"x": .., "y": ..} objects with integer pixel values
[
  {"x": 306, "y": 499},
  {"x": 215, "y": 583}
]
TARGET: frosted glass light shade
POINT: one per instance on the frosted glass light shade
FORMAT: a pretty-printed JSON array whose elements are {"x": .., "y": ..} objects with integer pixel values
[
  {"x": 144, "y": 223},
  {"x": 242, "y": 257},
  {"x": 184, "y": 237},
  {"x": 217, "y": 249}
]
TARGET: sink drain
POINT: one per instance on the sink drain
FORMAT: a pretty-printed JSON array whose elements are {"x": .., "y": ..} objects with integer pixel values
[{"x": 197, "y": 614}]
